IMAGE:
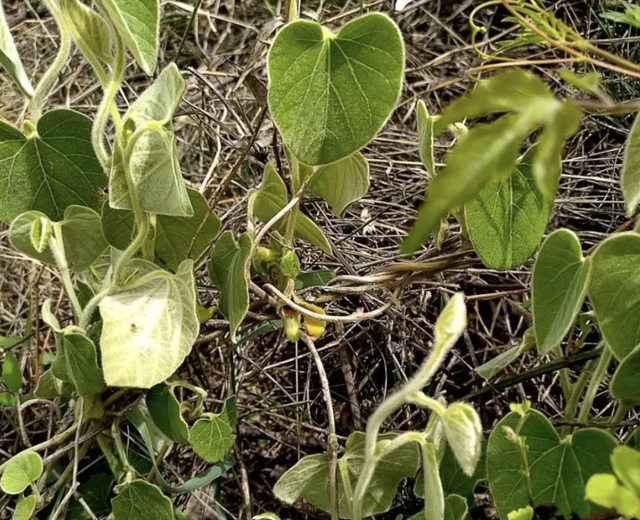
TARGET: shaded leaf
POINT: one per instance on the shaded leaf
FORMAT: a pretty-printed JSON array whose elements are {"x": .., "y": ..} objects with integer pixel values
[
  {"x": 455, "y": 508},
  {"x": 7, "y": 399},
  {"x": 21, "y": 471},
  {"x": 11, "y": 373},
  {"x": 212, "y": 437},
  {"x": 95, "y": 492},
  {"x": 496, "y": 364},
  {"x": 81, "y": 363},
  {"x": 10, "y": 58},
  {"x": 166, "y": 413},
  {"x": 313, "y": 279},
  {"x": 140, "y": 500},
  {"x": 624, "y": 385},
  {"x": 560, "y": 280},
  {"x": 349, "y": 81}
]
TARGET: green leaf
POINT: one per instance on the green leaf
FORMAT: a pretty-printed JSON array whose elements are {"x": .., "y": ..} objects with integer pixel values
[
  {"x": 140, "y": 500},
  {"x": 560, "y": 280},
  {"x": 524, "y": 513},
  {"x": 213, "y": 436},
  {"x": 626, "y": 465},
  {"x": 624, "y": 385},
  {"x": 50, "y": 170},
  {"x": 589, "y": 82},
  {"x": 166, "y": 413},
  {"x": 630, "y": 177},
  {"x": 614, "y": 291},
  {"x": 486, "y": 153},
  {"x": 89, "y": 30},
  {"x": 631, "y": 16},
  {"x": 272, "y": 197},
  {"x": 138, "y": 24},
  {"x": 330, "y": 94},
  {"x": 25, "y": 507},
  {"x": 149, "y": 325},
  {"x": 8, "y": 342},
  {"x": 455, "y": 482},
  {"x": 314, "y": 279},
  {"x": 173, "y": 235},
  {"x": 463, "y": 429},
  {"x": 341, "y": 182},
  {"x": 309, "y": 478},
  {"x": 7, "y": 399},
  {"x": 153, "y": 160},
  {"x": 81, "y": 363},
  {"x": 455, "y": 508},
  {"x": 228, "y": 269},
  {"x": 425, "y": 134},
  {"x": 50, "y": 387},
  {"x": 495, "y": 365},
  {"x": 21, "y": 471},
  {"x": 606, "y": 491},
  {"x": 10, "y": 59},
  {"x": 555, "y": 471},
  {"x": 11, "y": 373},
  {"x": 95, "y": 492},
  {"x": 434, "y": 501},
  {"x": 507, "y": 219}
]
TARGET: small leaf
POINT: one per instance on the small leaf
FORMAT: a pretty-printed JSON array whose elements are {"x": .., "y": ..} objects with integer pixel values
[
  {"x": 11, "y": 373},
  {"x": 606, "y": 491},
  {"x": 21, "y": 471},
  {"x": 425, "y": 134},
  {"x": 25, "y": 507},
  {"x": 507, "y": 219},
  {"x": 464, "y": 434},
  {"x": 140, "y": 500},
  {"x": 624, "y": 385},
  {"x": 81, "y": 363},
  {"x": 626, "y": 465},
  {"x": 314, "y": 279},
  {"x": 149, "y": 325},
  {"x": 213, "y": 436},
  {"x": 10, "y": 59},
  {"x": 614, "y": 291},
  {"x": 272, "y": 197},
  {"x": 7, "y": 399},
  {"x": 89, "y": 30},
  {"x": 631, "y": 16},
  {"x": 341, "y": 182},
  {"x": 560, "y": 280},
  {"x": 166, "y": 413},
  {"x": 524, "y": 513},
  {"x": 314, "y": 327},
  {"x": 51, "y": 170},
  {"x": 630, "y": 177},
  {"x": 138, "y": 24},
  {"x": 153, "y": 163},
  {"x": 228, "y": 269},
  {"x": 50, "y": 387},
  {"x": 330, "y": 94},
  {"x": 589, "y": 82},
  {"x": 495, "y": 365}
]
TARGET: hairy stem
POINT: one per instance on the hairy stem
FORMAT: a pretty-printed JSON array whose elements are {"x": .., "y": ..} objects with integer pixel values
[
  {"x": 594, "y": 383},
  {"x": 56, "y": 245},
  {"x": 574, "y": 399}
]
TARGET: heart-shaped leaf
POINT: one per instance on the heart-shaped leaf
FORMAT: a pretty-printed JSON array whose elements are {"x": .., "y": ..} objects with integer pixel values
[
  {"x": 341, "y": 182},
  {"x": 153, "y": 160},
  {"x": 21, "y": 471},
  {"x": 140, "y": 500},
  {"x": 272, "y": 197},
  {"x": 213, "y": 436},
  {"x": 10, "y": 59},
  {"x": 560, "y": 280},
  {"x": 228, "y": 269},
  {"x": 149, "y": 325},
  {"x": 138, "y": 24},
  {"x": 614, "y": 291},
  {"x": 50, "y": 170},
  {"x": 166, "y": 413},
  {"x": 506, "y": 221},
  {"x": 25, "y": 507},
  {"x": 90, "y": 31},
  {"x": 330, "y": 94}
]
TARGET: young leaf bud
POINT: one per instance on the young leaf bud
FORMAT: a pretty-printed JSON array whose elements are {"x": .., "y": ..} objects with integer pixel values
[
  {"x": 289, "y": 264},
  {"x": 464, "y": 433}
]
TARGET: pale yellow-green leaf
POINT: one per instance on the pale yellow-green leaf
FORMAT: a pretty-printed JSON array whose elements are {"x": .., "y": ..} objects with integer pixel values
[
  {"x": 89, "y": 30},
  {"x": 21, "y": 471}
]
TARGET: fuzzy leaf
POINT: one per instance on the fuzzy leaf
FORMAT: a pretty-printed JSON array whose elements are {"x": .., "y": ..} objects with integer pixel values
[
  {"x": 507, "y": 219},
  {"x": 89, "y": 30},
  {"x": 140, "y": 500},
  {"x": 341, "y": 182},
  {"x": 10, "y": 59},
  {"x": 149, "y": 325},
  {"x": 166, "y": 413},
  {"x": 560, "y": 281},
  {"x": 349, "y": 82},
  {"x": 52, "y": 169},
  {"x": 464, "y": 434},
  {"x": 21, "y": 471}
]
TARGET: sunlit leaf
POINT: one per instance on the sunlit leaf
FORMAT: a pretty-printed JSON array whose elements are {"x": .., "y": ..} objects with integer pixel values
[
  {"x": 89, "y": 30},
  {"x": 25, "y": 507},
  {"x": 560, "y": 279},
  {"x": 630, "y": 177},
  {"x": 463, "y": 429},
  {"x": 7, "y": 399},
  {"x": 10, "y": 59},
  {"x": 630, "y": 16},
  {"x": 21, "y": 471},
  {"x": 140, "y": 500},
  {"x": 50, "y": 170},
  {"x": 589, "y": 82},
  {"x": 166, "y": 413},
  {"x": 605, "y": 490},
  {"x": 149, "y": 325},
  {"x": 626, "y": 465},
  {"x": 425, "y": 135},
  {"x": 330, "y": 94}
]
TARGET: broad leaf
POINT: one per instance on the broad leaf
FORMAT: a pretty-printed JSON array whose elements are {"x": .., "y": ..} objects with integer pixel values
[
  {"x": 140, "y": 500},
  {"x": 560, "y": 281},
  {"x": 78, "y": 353},
  {"x": 555, "y": 471},
  {"x": 174, "y": 236},
  {"x": 630, "y": 177},
  {"x": 506, "y": 221},
  {"x": 90, "y": 31},
  {"x": 624, "y": 385},
  {"x": 50, "y": 170},
  {"x": 10, "y": 59},
  {"x": 614, "y": 291},
  {"x": 11, "y": 373},
  {"x": 138, "y": 24},
  {"x": 341, "y": 182},
  {"x": 330, "y": 94},
  {"x": 166, "y": 413},
  {"x": 21, "y": 471},
  {"x": 495, "y": 365},
  {"x": 309, "y": 478},
  {"x": 25, "y": 507},
  {"x": 272, "y": 197},
  {"x": 425, "y": 135},
  {"x": 149, "y": 325},
  {"x": 228, "y": 269},
  {"x": 153, "y": 161},
  {"x": 213, "y": 436}
]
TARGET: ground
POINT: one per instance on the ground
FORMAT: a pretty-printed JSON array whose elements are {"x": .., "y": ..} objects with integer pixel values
[{"x": 221, "y": 129}]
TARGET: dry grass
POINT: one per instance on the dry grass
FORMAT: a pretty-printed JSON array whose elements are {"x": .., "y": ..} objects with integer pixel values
[{"x": 280, "y": 404}]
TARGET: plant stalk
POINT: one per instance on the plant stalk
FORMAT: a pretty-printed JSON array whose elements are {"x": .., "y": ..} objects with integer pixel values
[
  {"x": 596, "y": 378},
  {"x": 56, "y": 245},
  {"x": 577, "y": 390}
]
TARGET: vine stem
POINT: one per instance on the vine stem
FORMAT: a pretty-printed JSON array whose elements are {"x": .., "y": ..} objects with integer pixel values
[
  {"x": 49, "y": 78},
  {"x": 333, "y": 439},
  {"x": 91, "y": 307},
  {"x": 56, "y": 245},
  {"x": 594, "y": 383},
  {"x": 574, "y": 399}
]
